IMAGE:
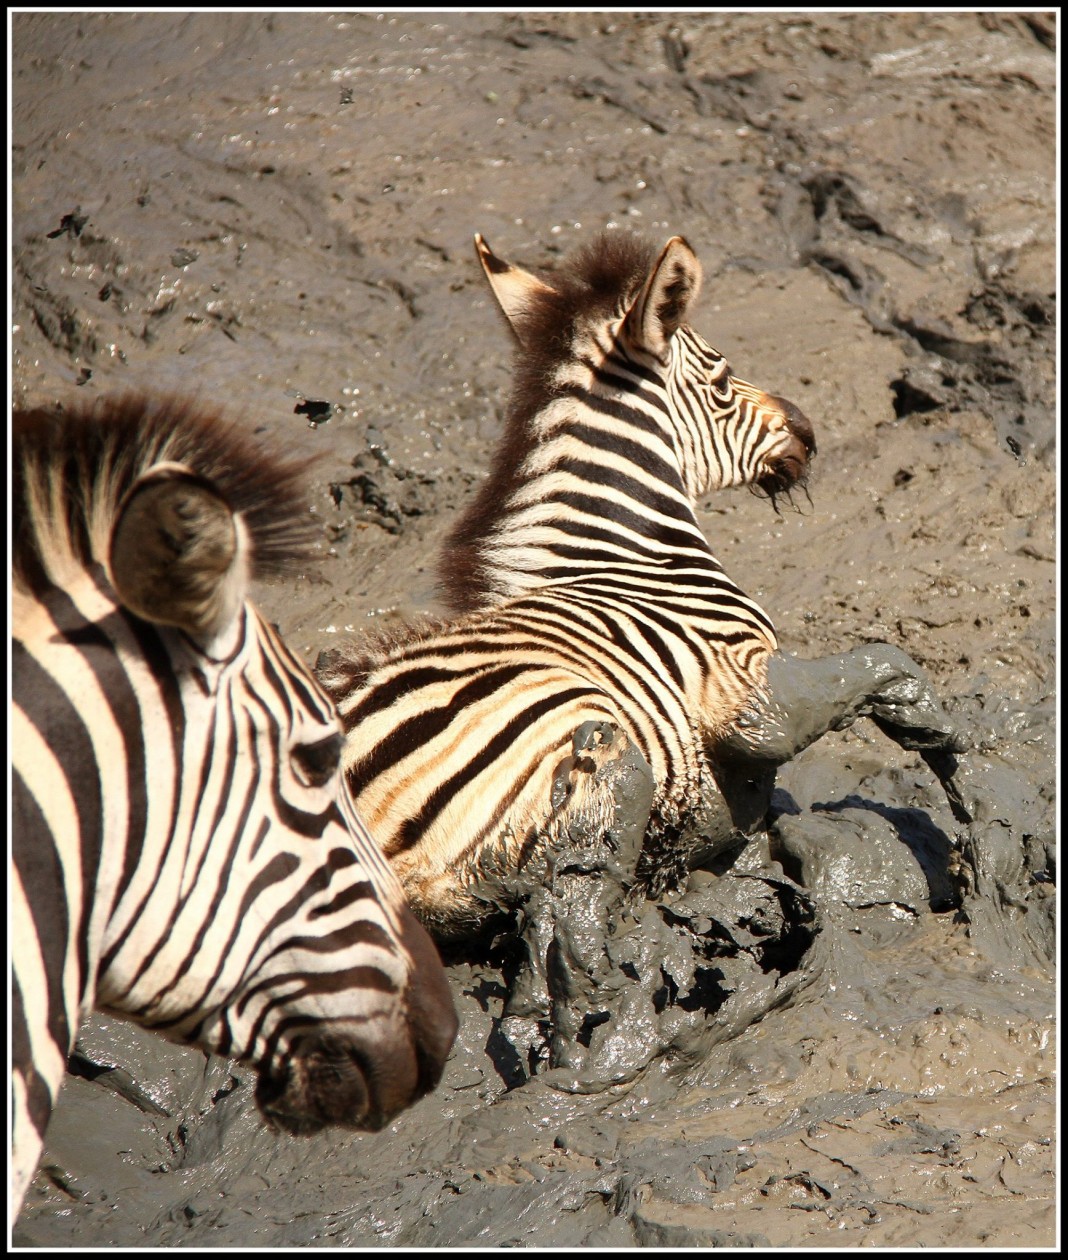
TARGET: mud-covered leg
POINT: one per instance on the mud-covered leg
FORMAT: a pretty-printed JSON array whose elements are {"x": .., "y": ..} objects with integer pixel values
[
  {"x": 1004, "y": 864},
  {"x": 806, "y": 699},
  {"x": 604, "y": 798}
]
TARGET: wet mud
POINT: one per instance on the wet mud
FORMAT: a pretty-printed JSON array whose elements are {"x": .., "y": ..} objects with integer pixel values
[{"x": 841, "y": 1031}]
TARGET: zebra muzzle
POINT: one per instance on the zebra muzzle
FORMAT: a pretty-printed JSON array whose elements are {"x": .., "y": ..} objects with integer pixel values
[
  {"x": 789, "y": 466},
  {"x": 326, "y": 1081}
]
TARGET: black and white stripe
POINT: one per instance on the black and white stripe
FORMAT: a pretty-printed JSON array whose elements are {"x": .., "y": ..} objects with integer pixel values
[
  {"x": 184, "y": 850},
  {"x": 585, "y": 588}
]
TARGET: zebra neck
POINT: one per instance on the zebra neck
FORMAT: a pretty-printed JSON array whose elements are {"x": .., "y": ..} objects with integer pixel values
[
  {"x": 64, "y": 734},
  {"x": 102, "y": 706},
  {"x": 598, "y": 489}
]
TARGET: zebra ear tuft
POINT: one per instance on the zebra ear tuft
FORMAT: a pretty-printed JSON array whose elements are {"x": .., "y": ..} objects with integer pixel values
[
  {"x": 666, "y": 298},
  {"x": 177, "y": 553},
  {"x": 516, "y": 290}
]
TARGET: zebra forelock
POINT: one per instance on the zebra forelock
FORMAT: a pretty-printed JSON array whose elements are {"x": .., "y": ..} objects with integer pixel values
[
  {"x": 598, "y": 284},
  {"x": 74, "y": 466}
]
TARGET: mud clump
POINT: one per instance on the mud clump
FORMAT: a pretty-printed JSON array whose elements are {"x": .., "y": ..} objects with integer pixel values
[{"x": 845, "y": 1023}]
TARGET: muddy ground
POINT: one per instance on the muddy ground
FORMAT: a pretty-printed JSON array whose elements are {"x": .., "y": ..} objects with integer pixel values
[{"x": 275, "y": 212}]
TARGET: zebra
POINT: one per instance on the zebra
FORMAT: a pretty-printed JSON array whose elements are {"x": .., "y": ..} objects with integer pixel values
[
  {"x": 184, "y": 852},
  {"x": 588, "y": 612}
]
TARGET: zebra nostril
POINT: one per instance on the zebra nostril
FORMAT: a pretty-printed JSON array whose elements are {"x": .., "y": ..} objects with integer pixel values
[{"x": 323, "y": 1082}]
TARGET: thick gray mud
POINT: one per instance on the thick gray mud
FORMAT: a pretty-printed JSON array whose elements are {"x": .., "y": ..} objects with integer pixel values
[{"x": 840, "y": 1034}]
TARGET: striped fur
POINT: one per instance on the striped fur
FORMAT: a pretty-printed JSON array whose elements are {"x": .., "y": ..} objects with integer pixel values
[
  {"x": 184, "y": 851},
  {"x": 585, "y": 587}
]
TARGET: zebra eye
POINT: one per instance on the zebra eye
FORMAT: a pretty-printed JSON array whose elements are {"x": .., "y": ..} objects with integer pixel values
[{"x": 316, "y": 764}]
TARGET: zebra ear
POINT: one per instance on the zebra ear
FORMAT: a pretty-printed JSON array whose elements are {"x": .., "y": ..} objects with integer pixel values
[
  {"x": 177, "y": 553},
  {"x": 665, "y": 299},
  {"x": 516, "y": 290}
]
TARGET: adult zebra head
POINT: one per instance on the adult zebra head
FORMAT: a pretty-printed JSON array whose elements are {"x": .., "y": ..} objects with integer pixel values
[{"x": 184, "y": 852}]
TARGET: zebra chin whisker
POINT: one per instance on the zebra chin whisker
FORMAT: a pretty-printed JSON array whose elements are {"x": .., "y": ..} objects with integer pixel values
[{"x": 777, "y": 490}]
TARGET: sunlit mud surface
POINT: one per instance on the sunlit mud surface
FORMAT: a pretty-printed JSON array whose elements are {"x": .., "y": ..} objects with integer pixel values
[{"x": 842, "y": 1034}]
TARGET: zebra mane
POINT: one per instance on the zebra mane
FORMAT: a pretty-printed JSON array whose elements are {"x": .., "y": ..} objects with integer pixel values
[
  {"x": 344, "y": 667},
  {"x": 72, "y": 467},
  {"x": 596, "y": 282}
]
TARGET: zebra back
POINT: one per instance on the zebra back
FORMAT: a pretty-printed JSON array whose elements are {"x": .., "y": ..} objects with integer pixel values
[
  {"x": 184, "y": 851},
  {"x": 587, "y": 590}
]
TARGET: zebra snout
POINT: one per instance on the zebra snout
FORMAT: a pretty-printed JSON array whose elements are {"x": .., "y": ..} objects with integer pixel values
[
  {"x": 326, "y": 1081},
  {"x": 357, "y": 1080},
  {"x": 789, "y": 465},
  {"x": 800, "y": 425}
]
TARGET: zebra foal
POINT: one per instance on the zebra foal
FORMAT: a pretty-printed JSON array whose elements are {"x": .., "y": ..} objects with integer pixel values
[
  {"x": 593, "y": 617},
  {"x": 184, "y": 850}
]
